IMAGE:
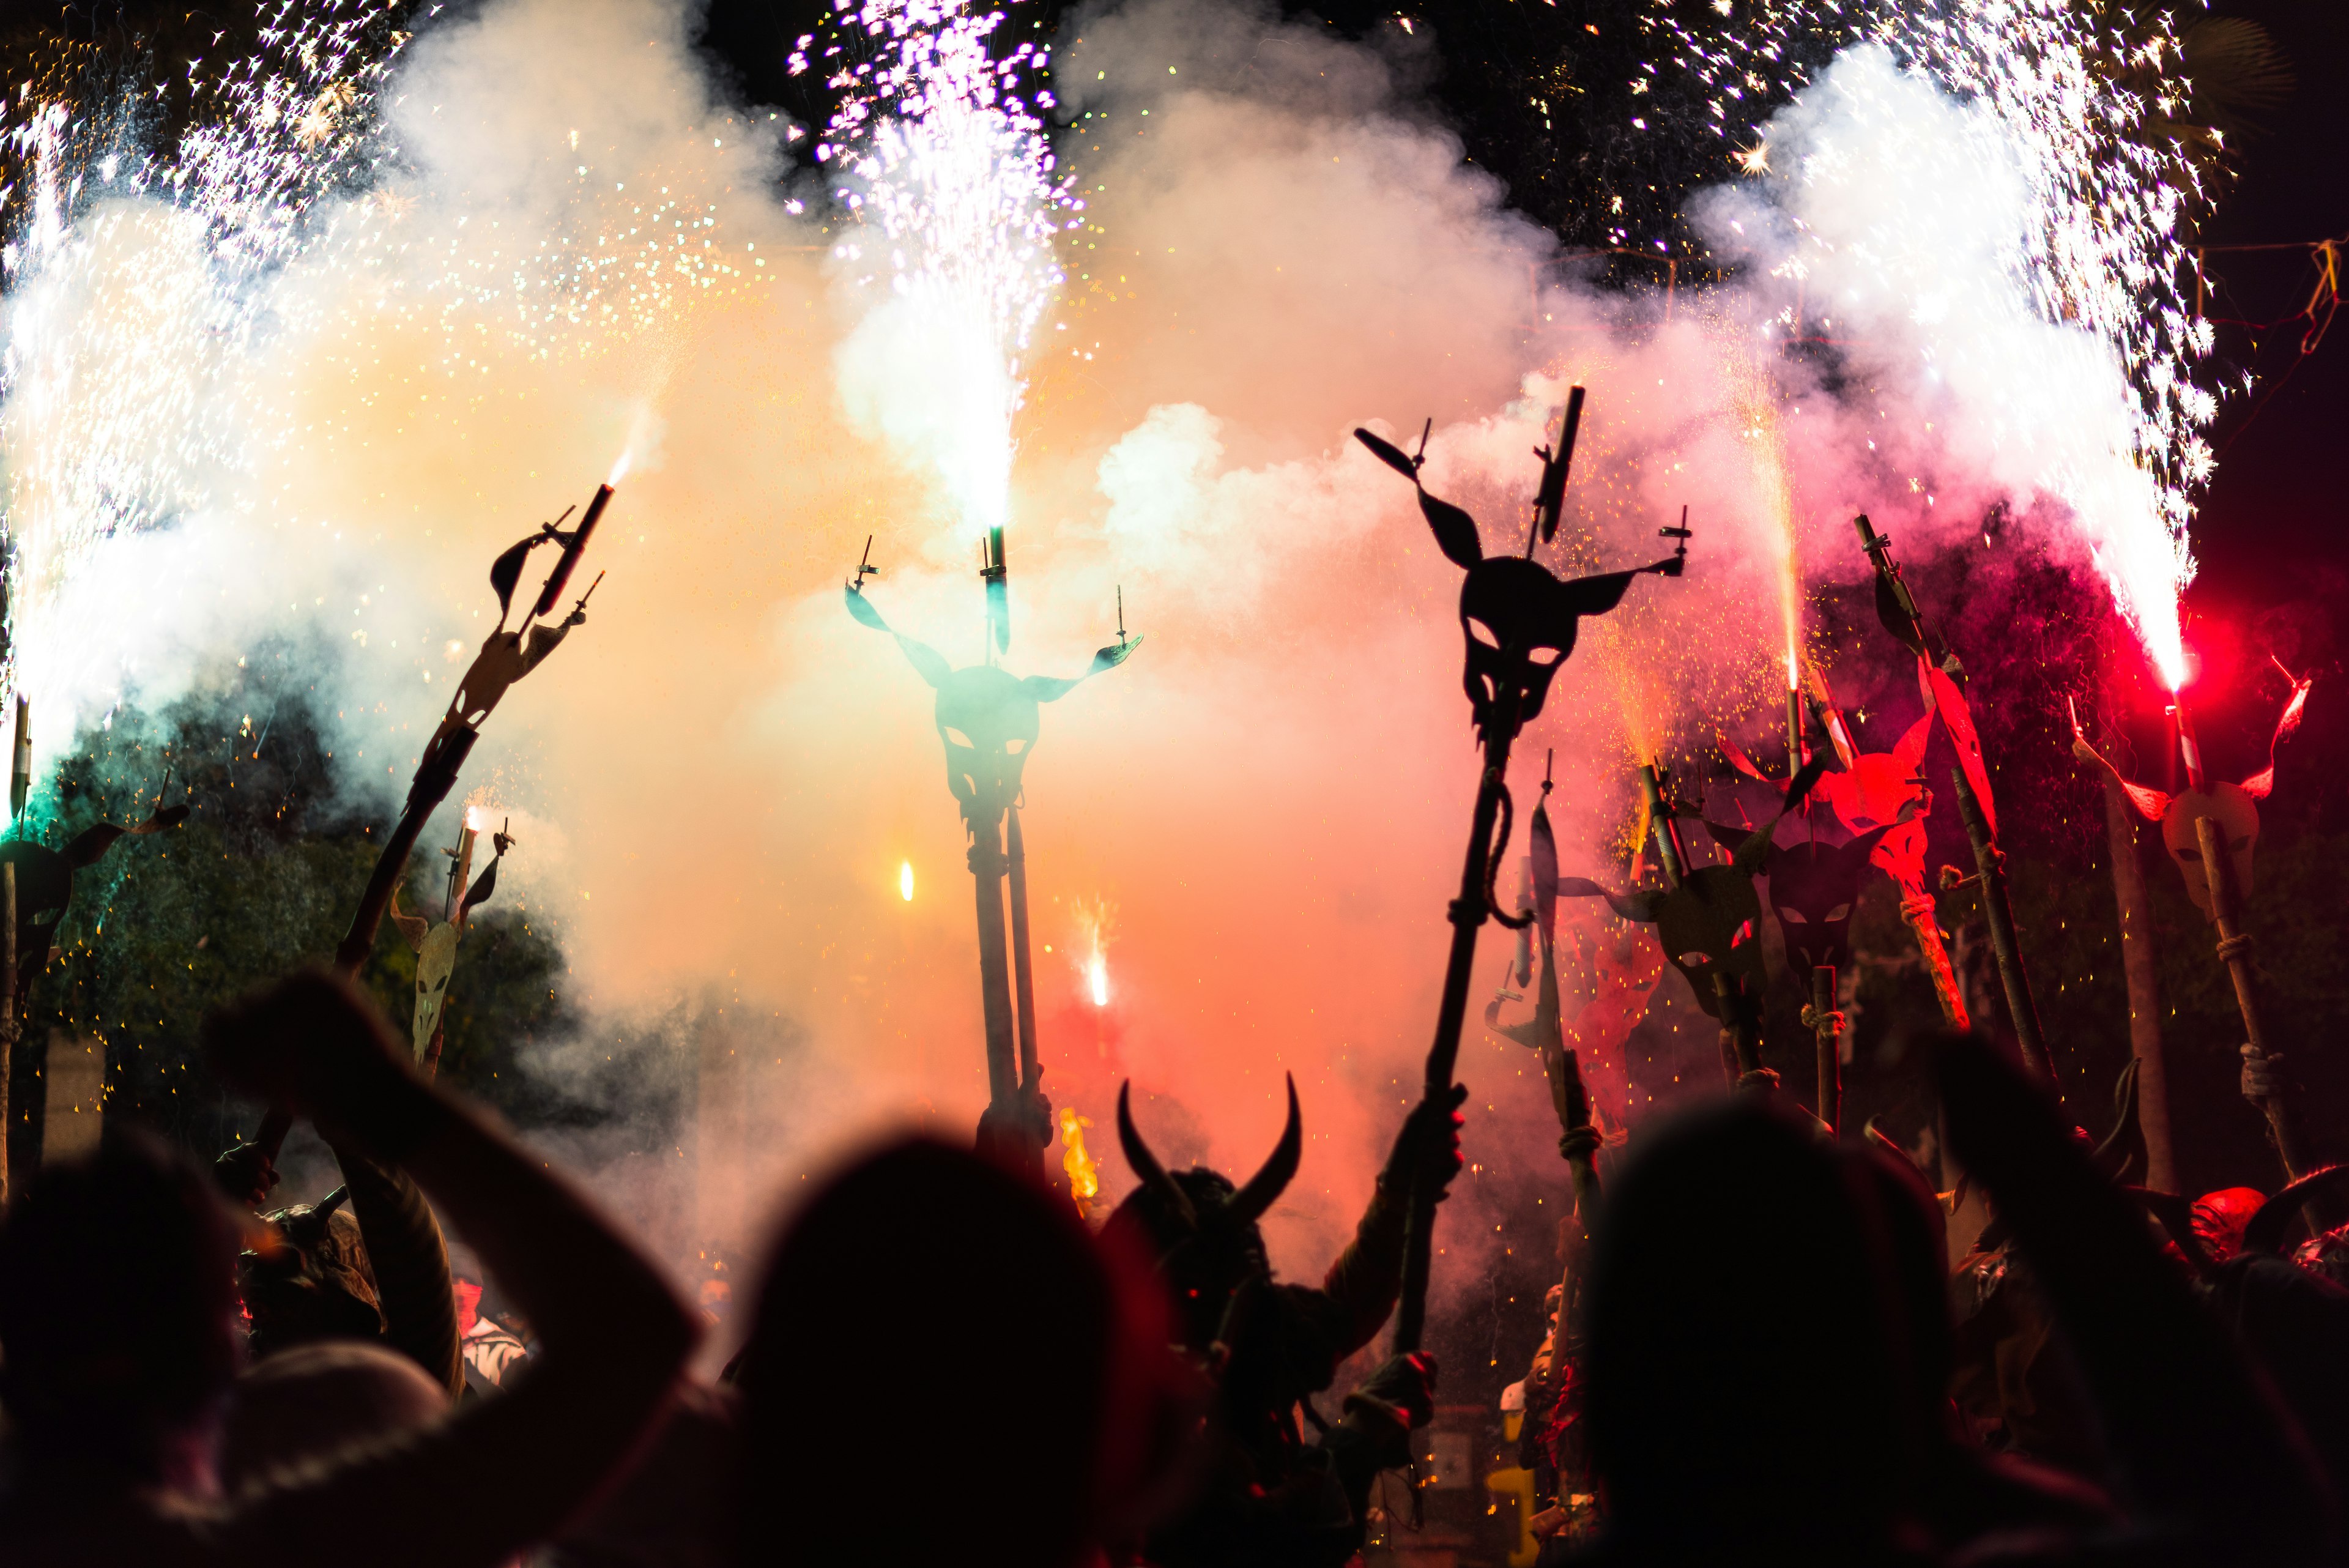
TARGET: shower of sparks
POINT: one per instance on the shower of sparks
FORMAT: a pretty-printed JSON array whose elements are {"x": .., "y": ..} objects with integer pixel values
[
  {"x": 2069, "y": 97},
  {"x": 1754, "y": 414},
  {"x": 123, "y": 387},
  {"x": 951, "y": 180},
  {"x": 146, "y": 284},
  {"x": 1097, "y": 980}
]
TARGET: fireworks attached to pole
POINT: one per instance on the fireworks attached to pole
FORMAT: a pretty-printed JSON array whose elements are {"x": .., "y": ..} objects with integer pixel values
[
  {"x": 2046, "y": 245},
  {"x": 989, "y": 720},
  {"x": 1519, "y": 622},
  {"x": 954, "y": 195}
]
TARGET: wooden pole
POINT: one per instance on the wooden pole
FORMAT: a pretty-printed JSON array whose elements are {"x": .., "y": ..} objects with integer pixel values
[
  {"x": 987, "y": 869},
  {"x": 1998, "y": 914},
  {"x": 1919, "y": 912},
  {"x": 1023, "y": 973},
  {"x": 2137, "y": 968},
  {"x": 1468, "y": 917},
  {"x": 2235, "y": 952}
]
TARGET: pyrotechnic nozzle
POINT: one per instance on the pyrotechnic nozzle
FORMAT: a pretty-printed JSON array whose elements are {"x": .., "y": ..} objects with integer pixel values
[
  {"x": 20, "y": 767},
  {"x": 1551, "y": 497},
  {"x": 1653, "y": 788},
  {"x": 1679, "y": 563},
  {"x": 2189, "y": 746},
  {"x": 997, "y": 578},
  {"x": 568, "y": 562}
]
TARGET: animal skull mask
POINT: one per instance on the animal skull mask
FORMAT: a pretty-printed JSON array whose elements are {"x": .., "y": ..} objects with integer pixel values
[
  {"x": 1813, "y": 888},
  {"x": 45, "y": 883},
  {"x": 1519, "y": 619},
  {"x": 988, "y": 718},
  {"x": 1711, "y": 924}
]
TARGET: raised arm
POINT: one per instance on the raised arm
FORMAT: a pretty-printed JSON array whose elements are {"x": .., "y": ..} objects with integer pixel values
[
  {"x": 411, "y": 1260},
  {"x": 476, "y": 1488},
  {"x": 2210, "y": 1460}
]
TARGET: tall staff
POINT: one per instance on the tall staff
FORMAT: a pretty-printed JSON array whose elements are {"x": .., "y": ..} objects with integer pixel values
[
  {"x": 988, "y": 719},
  {"x": 505, "y": 656},
  {"x": 1519, "y": 622},
  {"x": 1943, "y": 677}
]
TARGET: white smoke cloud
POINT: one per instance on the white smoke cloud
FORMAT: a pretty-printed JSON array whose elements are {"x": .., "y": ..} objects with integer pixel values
[{"x": 723, "y": 773}]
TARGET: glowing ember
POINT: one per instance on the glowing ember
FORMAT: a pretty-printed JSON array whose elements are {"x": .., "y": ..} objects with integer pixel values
[
  {"x": 1084, "y": 1180},
  {"x": 906, "y": 881}
]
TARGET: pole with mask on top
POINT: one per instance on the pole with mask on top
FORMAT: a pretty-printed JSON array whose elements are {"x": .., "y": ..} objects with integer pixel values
[{"x": 1519, "y": 622}]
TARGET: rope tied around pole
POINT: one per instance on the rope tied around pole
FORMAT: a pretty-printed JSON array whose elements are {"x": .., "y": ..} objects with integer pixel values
[
  {"x": 1579, "y": 1143},
  {"x": 1916, "y": 911},
  {"x": 2234, "y": 947},
  {"x": 1760, "y": 1079},
  {"x": 1492, "y": 862},
  {"x": 1834, "y": 1020}
]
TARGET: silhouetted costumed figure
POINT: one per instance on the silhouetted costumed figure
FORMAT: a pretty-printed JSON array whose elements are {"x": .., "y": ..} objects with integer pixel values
[{"x": 1269, "y": 1496}]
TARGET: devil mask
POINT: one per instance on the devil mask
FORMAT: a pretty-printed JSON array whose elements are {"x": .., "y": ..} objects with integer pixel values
[
  {"x": 1813, "y": 888},
  {"x": 1709, "y": 924},
  {"x": 1201, "y": 1229},
  {"x": 987, "y": 717},
  {"x": 1519, "y": 621},
  {"x": 45, "y": 883}
]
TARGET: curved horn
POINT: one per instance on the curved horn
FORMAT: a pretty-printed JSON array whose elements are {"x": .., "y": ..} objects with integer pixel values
[
  {"x": 1249, "y": 1204},
  {"x": 1145, "y": 1164},
  {"x": 2122, "y": 1145},
  {"x": 2177, "y": 1218},
  {"x": 2268, "y": 1227}
]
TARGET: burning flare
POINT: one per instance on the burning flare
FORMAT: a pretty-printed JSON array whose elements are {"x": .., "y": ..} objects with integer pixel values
[{"x": 906, "y": 881}]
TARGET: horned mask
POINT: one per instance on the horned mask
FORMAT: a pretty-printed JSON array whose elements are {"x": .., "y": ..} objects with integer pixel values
[
  {"x": 988, "y": 718},
  {"x": 1201, "y": 1229},
  {"x": 1518, "y": 620}
]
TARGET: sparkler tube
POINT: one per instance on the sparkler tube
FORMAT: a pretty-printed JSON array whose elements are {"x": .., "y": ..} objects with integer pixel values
[
  {"x": 987, "y": 868},
  {"x": 2235, "y": 952},
  {"x": 1795, "y": 758},
  {"x": 568, "y": 562},
  {"x": 1826, "y": 1028},
  {"x": 1670, "y": 851},
  {"x": 20, "y": 767},
  {"x": 2189, "y": 746},
  {"x": 1023, "y": 973},
  {"x": 1467, "y": 915},
  {"x": 1998, "y": 914}
]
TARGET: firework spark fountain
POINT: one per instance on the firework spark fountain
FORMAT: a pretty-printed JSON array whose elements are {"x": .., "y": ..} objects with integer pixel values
[
  {"x": 953, "y": 183},
  {"x": 2047, "y": 245}
]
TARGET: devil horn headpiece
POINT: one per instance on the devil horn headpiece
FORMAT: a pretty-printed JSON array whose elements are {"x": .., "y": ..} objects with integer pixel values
[
  {"x": 1250, "y": 1202},
  {"x": 2271, "y": 1223}
]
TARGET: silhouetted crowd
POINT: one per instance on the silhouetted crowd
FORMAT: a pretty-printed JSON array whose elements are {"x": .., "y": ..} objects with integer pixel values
[{"x": 1766, "y": 1354}]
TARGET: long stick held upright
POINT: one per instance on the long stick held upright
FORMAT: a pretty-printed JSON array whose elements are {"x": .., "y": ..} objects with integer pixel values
[{"x": 1468, "y": 917}]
